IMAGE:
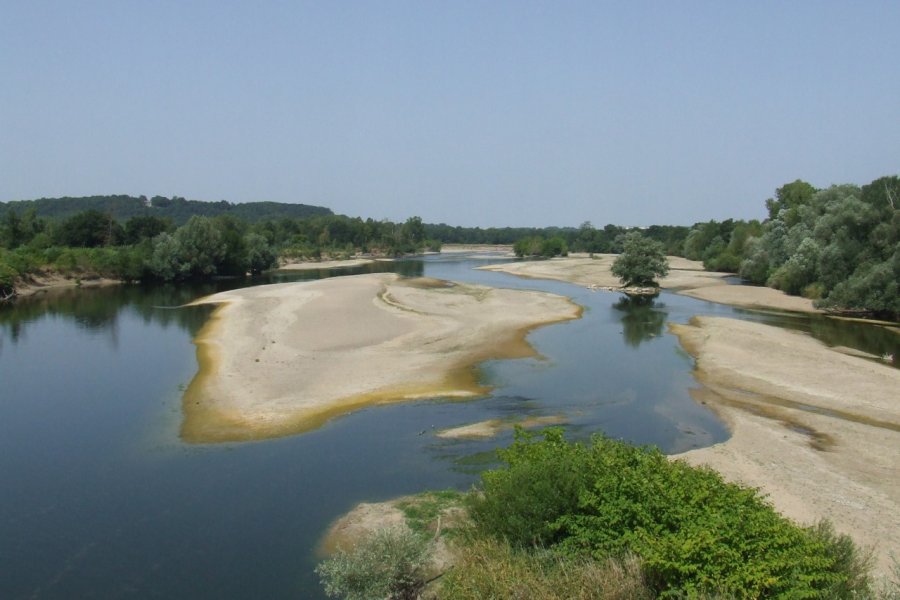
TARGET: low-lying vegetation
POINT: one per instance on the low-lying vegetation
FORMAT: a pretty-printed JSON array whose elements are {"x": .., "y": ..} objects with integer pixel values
[{"x": 610, "y": 520}]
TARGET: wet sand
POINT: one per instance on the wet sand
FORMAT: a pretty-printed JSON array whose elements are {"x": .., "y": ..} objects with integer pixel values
[
  {"x": 281, "y": 359},
  {"x": 816, "y": 430}
]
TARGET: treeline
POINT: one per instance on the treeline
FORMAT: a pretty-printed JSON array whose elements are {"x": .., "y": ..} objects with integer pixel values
[
  {"x": 839, "y": 246},
  {"x": 177, "y": 209},
  {"x": 147, "y": 248}
]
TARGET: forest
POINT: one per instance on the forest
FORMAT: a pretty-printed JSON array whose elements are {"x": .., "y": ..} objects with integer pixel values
[
  {"x": 839, "y": 246},
  {"x": 176, "y": 208}
]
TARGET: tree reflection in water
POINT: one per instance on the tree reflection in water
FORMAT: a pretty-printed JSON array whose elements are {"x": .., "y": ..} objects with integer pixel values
[{"x": 641, "y": 318}]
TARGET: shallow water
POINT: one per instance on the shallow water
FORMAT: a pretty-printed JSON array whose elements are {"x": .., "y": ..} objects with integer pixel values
[{"x": 101, "y": 499}]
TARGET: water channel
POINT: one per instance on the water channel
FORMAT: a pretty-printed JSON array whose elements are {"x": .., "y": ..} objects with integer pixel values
[{"x": 100, "y": 498}]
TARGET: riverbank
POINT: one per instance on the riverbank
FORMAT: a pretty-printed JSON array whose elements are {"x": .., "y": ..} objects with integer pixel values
[
  {"x": 816, "y": 430},
  {"x": 38, "y": 284},
  {"x": 685, "y": 277},
  {"x": 281, "y": 359},
  {"x": 329, "y": 264}
]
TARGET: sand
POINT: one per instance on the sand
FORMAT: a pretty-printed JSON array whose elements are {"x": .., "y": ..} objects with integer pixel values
[
  {"x": 816, "y": 430},
  {"x": 685, "y": 277},
  {"x": 281, "y": 359},
  {"x": 492, "y": 427},
  {"x": 327, "y": 264},
  {"x": 466, "y": 248}
]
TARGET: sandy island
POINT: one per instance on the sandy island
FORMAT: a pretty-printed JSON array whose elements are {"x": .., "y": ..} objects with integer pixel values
[
  {"x": 685, "y": 277},
  {"x": 280, "y": 359}
]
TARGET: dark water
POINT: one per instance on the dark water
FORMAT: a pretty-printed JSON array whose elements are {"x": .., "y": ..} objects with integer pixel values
[{"x": 100, "y": 499}]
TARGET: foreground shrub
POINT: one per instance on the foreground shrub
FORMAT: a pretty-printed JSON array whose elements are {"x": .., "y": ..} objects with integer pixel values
[
  {"x": 694, "y": 533},
  {"x": 388, "y": 564},
  {"x": 487, "y": 568}
]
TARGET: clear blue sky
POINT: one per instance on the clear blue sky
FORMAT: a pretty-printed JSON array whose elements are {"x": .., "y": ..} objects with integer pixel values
[{"x": 470, "y": 113}]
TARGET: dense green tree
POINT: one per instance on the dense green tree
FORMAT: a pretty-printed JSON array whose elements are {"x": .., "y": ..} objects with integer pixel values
[
  {"x": 642, "y": 261},
  {"x": 259, "y": 254},
  {"x": 196, "y": 250},
  {"x": 146, "y": 227},
  {"x": 89, "y": 229},
  {"x": 790, "y": 197}
]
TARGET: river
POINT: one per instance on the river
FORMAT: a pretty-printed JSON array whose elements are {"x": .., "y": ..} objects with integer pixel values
[{"x": 100, "y": 498}]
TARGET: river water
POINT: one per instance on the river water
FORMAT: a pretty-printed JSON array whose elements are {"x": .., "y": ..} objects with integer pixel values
[{"x": 100, "y": 499}]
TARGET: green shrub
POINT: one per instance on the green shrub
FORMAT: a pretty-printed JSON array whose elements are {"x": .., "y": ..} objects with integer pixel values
[
  {"x": 388, "y": 564},
  {"x": 7, "y": 278},
  {"x": 695, "y": 533},
  {"x": 524, "y": 502}
]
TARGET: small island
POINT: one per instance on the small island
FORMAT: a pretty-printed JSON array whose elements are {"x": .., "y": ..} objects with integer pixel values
[{"x": 282, "y": 359}]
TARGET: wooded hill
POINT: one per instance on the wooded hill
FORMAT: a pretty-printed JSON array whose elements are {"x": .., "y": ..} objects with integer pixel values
[{"x": 179, "y": 210}]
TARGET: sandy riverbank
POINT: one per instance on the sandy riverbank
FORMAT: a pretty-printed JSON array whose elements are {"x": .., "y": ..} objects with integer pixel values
[
  {"x": 280, "y": 359},
  {"x": 463, "y": 248},
  {"x": 685, "y": 277},
  {"x": 816, "y": 430},
  {"x": 329, "y": 264}
]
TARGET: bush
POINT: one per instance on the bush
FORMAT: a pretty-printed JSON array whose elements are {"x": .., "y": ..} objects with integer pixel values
[
  {"x": 388, "y": 564},
  {"x": 7, "y": 279},
  {"x": 695, "y": 533}
]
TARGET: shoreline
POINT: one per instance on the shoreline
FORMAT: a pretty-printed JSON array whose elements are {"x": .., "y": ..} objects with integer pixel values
[
  {"x": 282, "y": 359},
  {"x": 40, "y": 284},
  {"x": 815, "y": 430}
]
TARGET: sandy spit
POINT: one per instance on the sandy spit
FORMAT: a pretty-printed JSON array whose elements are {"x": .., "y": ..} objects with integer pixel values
[
  {"x": 492, "y": 427},
  {"x": 685, "y": 277},
  {"x": 460, "y": 248},
  {"x": 816, "y": 430},
  {"x": 281, "y": 359},
  {"x": 326, "y": 264}
]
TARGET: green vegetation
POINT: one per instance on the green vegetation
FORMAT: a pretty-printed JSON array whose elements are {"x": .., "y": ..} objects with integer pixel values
[
  {"x": 540, "y": 246},
  {"x": 387, "y": 564},
  {"x": 642, "y": 261},
  {"x": 92, "y": 244},
  {"x": 839, "y": 246},
  {"x": 424, "y": 509},
  {"x": 693, "y": 533},
  {"x": 604, "y": 520}
]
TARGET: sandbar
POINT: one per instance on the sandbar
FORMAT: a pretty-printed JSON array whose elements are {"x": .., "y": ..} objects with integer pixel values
[
  {"x": 685, "y": 277},
  {"x": 327, "y": 264},
  {"x": 816, "y": 430},
  {"x": 280, "y": 359},
  {"x": 492, "y": 427}
]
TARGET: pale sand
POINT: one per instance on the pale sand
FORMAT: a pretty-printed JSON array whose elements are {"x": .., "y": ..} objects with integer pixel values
[
  {"x": 280, "y": 359},
  {"x": 816, "y": 430},
  {"x": 327, "y": 264},
  {"x": 460, "y": 248},
  {"x": 685, "y": 277},
  {"x": 491, "y": 427}
]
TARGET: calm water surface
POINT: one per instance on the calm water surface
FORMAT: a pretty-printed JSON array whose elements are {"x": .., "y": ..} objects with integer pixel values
[{"x": 100, "y": 499}]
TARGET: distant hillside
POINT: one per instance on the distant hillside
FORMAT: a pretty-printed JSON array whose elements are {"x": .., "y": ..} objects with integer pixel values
[{"x": 177, "y": 209}]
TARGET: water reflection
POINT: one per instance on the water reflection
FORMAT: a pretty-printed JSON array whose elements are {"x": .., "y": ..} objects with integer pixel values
[{"x": 641, "y": 318}]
